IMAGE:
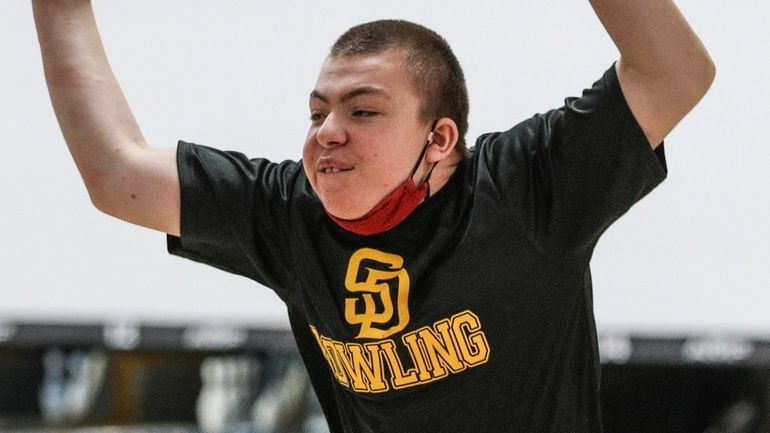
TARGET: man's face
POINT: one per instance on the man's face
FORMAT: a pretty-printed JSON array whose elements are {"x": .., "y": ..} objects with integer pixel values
[{"x": 366, "y": 131}]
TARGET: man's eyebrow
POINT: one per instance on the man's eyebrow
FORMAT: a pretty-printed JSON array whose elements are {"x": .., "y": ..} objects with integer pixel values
[
  {"x": 358, "y": 91},
  {"x": 315, "y": 94}
]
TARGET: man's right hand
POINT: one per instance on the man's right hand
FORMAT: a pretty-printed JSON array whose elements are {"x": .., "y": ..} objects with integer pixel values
[{"x": 125, "y": 177}]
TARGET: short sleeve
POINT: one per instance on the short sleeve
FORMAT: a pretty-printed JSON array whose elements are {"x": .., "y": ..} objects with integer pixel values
[
  {"x": 233, "y": 213},
  {"x": 571, "y": 172}
]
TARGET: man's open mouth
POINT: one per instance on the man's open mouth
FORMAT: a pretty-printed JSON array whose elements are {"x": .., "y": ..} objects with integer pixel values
[{"x": 333, "y": 170}]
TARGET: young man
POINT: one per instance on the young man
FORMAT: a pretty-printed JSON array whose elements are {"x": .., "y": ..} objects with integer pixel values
[{"x": 429, "y": 287}]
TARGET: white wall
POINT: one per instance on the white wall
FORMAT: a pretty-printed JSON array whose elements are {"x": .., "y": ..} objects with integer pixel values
[{"x": 692, "y": 256}]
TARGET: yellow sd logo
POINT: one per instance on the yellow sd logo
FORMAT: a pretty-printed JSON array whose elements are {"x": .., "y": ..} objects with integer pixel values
[{"x": 377, "y": 283}]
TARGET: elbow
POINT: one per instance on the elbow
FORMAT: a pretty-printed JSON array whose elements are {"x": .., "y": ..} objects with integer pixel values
[
  {"x": 706, "y": 79},
  {"x": 712, "y": 72},
  {"x": 700, "y": 75},
  {"x": 704, "y": 71},
  {"x": 105, "y": 180},
  {"x": 708, "y": 72},
  {"x": 101, "y": 206},
  {"x": 99, "y": 199},
  {"x": 99, "y": 194}
]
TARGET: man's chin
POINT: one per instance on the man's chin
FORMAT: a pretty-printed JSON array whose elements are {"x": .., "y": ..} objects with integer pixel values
[
  {"x": 343, "y": 210},
  {"x": 345, "y": 215}
]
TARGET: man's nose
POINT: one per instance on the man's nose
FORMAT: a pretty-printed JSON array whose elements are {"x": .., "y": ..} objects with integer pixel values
[{"x": 331, "y": 133}]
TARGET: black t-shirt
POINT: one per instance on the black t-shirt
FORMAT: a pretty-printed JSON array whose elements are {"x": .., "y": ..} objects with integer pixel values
[{"x": 472, "y": 315}]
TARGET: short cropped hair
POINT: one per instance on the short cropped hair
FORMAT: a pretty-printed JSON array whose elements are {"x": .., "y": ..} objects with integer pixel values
[{"x": 436, "y": 73}]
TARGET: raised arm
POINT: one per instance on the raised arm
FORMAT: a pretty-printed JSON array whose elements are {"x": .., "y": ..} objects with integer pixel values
[
  {"x": 125, "y": 177},
  {"x": 664, "y": 69}
]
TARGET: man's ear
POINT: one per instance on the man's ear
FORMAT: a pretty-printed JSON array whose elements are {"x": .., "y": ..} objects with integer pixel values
[{"x": 443, "y": 140}]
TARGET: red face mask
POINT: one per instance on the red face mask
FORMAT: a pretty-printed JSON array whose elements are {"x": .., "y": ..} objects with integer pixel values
[{"x": 395, "y": 207}]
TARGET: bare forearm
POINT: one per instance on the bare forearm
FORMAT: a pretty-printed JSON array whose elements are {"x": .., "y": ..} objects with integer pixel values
[
  {"x": 93, "y": 114},
  {"x": 664, "y": 69},
  {"x": 653, "y": 37}
]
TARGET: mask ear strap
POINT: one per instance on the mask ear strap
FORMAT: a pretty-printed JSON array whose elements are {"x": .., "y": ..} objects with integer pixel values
[
  {"x": 419, "y": 160},
  {"x": 427, "y": 176},
  {"x": 422, "y": 155}
]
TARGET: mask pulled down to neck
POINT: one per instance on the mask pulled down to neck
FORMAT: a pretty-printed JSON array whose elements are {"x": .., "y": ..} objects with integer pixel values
[{"x": 394, "y": 207}]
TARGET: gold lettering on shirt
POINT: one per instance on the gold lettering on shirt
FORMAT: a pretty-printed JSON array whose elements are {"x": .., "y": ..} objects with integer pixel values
[{"x": 449, "y": 346}]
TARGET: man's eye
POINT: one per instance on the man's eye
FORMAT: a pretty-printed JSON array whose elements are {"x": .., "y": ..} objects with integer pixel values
[
  {"x": 315, "y": 117},
  {"x": 364, "y": 113}
]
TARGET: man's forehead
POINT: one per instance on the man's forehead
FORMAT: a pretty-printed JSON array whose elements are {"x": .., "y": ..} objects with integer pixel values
[
  {"x": 361, "y": 90},
  {"x": 383, "y": 74},
  {"x": 392, "y": 56}
]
